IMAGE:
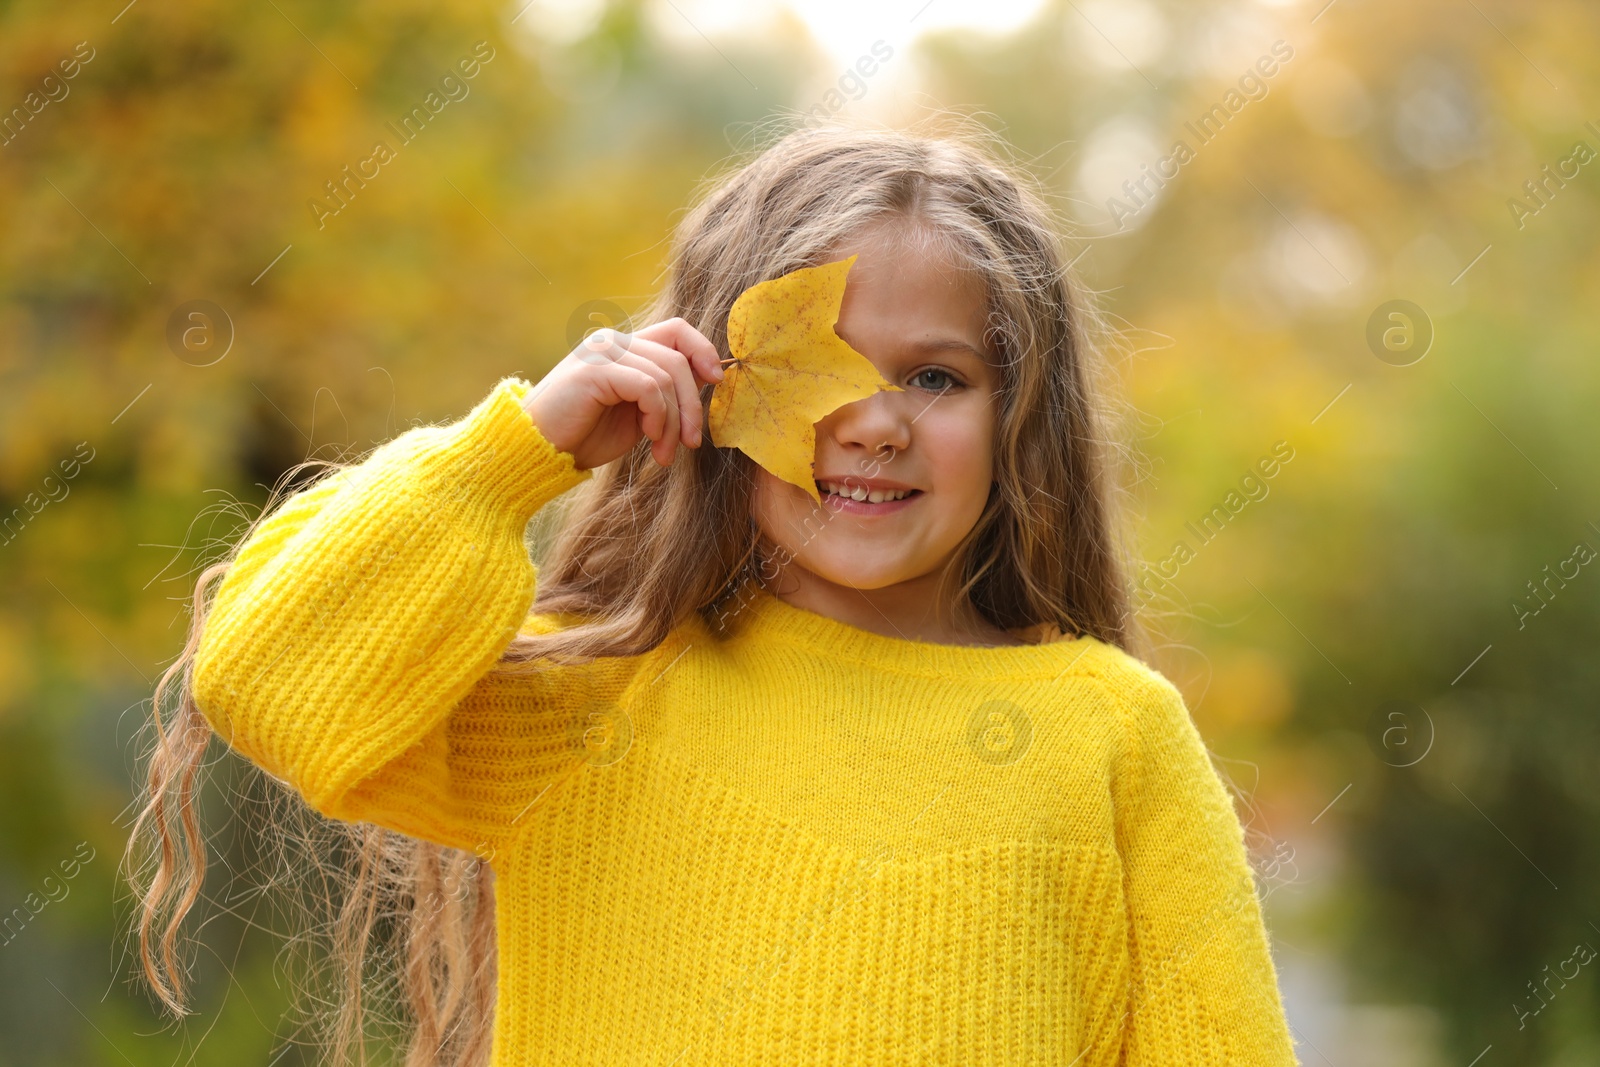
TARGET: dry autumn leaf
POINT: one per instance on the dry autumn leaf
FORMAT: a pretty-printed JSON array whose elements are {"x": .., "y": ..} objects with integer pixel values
[{"x": 789, "y": 370}]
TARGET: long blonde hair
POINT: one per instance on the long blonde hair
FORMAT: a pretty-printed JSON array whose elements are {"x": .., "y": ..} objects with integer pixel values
[{"x": 1049, "y": 549}]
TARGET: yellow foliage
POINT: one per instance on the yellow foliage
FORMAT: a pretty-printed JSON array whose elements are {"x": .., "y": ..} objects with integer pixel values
[
  {"x": 1249, "y": 690},
  {"x": 16, "y": 674}
]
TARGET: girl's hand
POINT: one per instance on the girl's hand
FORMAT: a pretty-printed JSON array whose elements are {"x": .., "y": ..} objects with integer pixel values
[{"x": 614, "y": 387}]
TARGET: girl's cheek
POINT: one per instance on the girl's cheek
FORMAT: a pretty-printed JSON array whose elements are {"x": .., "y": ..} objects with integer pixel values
[
  {"x": 771, "y": 515},
  {"x": 961, "y": 462}
]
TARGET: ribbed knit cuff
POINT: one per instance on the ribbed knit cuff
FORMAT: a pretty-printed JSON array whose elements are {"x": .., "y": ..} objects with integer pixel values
[{"x": 497, "y": 454}]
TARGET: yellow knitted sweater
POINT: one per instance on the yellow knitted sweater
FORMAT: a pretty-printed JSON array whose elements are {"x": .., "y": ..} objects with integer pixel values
[{"x": 795, "y": 843}]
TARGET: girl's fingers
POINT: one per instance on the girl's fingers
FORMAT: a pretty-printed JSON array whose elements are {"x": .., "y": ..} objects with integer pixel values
[
  {"x": 667, "y": 430},
  {"x": 638, "y": 387},
  {"x": 702, "y": 354},
  {"x": 687, "y": 395},
  {"x": 660, "y": 369},
  {"x": 667, "y": 443},
  {"x": 683, "y": 338},
  {"x": 683, "y": 370},
  {"x": 674, "y": 372}
]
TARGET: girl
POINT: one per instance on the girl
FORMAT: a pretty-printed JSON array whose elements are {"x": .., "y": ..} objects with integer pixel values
[{"x": 740, "y": 779}]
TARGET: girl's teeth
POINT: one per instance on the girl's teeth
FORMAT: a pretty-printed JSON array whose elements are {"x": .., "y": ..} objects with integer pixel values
[{"x": 860, "y": 492}]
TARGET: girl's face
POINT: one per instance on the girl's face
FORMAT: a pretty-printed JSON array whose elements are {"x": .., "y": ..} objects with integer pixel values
[{"x": 921, "y": 324}]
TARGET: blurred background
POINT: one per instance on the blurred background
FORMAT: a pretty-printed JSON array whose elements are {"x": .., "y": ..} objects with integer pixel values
[{"x": 1348, "y": 243}]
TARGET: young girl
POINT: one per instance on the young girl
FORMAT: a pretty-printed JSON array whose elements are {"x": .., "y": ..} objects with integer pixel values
[{"x": 756, "y": 781}]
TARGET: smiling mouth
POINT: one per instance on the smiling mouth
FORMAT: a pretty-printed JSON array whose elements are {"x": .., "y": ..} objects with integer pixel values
[
  {"x": 848, "y": 491},
  {"x": 861, "y": 502}
]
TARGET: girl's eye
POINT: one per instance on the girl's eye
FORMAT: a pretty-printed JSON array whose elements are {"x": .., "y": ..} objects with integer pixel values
[{"x": 937, "y": 387}]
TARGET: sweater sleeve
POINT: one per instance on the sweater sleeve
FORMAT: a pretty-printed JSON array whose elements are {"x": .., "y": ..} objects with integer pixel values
[
  {"x": 359, "y": 615},
  {"x": 1203, "y": 986}
]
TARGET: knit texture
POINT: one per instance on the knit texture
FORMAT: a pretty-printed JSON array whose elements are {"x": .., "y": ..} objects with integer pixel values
[{"x": 781, "y": 840}]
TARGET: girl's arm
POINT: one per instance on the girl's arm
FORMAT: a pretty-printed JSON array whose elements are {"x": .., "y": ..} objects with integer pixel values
[
  {"x": 1204, "y": 988},
  {"x": 359, "y": 614},
  {"x": 347, "y": 647}
]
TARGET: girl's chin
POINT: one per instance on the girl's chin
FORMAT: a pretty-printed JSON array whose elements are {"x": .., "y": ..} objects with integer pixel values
[{"x": 855, "y": 573}]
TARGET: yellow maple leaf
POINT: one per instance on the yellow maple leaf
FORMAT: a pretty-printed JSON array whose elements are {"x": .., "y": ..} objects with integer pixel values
[{"x": 789, "y": 370}]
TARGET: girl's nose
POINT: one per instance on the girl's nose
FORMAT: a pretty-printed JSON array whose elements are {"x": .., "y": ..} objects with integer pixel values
[{"x": 870, "y": 423}]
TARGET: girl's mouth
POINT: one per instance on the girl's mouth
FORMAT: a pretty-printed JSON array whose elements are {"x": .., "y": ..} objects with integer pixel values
[{"x": 849, "y": 505}]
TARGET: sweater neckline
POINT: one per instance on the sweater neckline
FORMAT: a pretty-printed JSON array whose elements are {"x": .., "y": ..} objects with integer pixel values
[{"x": 768, "y": 616}]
